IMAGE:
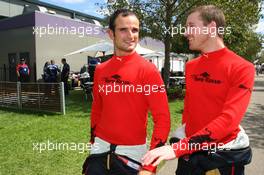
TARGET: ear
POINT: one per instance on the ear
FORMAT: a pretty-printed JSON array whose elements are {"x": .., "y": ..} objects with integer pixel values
[
  {"x": 212, "y": 29},
  {"x": 111, "y": 34}
]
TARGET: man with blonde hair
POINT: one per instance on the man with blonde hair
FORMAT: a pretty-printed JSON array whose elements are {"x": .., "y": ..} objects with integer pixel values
[{"x": 218, "y": 89}]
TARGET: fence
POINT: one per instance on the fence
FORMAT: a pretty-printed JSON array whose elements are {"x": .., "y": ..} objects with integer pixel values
[
  {"x": 33, "y": 96},
  {"x": 3, "y": 73}
]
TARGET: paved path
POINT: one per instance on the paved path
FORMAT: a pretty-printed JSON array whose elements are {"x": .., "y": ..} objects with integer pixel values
[{"x": 253, "y": 123}]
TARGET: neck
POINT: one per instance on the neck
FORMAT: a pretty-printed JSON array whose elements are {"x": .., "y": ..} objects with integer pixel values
[
  {"x": 122, "y": 53},
  {"x": 213, "y": 44}
]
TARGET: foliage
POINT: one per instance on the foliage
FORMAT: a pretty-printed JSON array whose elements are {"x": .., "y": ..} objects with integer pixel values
[
  {"x": 158, "y": 17},
  {"x": 176, "y": 93}
]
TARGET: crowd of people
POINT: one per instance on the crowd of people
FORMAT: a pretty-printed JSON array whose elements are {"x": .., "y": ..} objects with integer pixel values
[{"x": 52, "y": 73}]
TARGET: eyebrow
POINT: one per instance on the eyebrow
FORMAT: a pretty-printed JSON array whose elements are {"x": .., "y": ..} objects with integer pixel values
[{"x": 123, "y": 28}]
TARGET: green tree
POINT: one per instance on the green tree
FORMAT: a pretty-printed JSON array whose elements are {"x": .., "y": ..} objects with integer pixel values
[
  {"x": 160, "y": 18},
  {"x": 157, "y": 20},
  {"x": 253, "y": 47}
]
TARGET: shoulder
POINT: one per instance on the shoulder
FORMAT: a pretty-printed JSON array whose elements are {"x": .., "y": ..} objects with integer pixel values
[
  {"x": 146, "y": 70},
  {"x": 238, "y": 62},
  {"x": 193, "y": 61},
  {"x": 103, "y": 65},
  {"x": 239, "y": 68},
  {"x": 145, "y": 65}
]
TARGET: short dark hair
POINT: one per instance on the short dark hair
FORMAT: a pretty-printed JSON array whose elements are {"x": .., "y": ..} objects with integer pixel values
[
  {"x": 63, "y": 59},
  {"x": 123, "y": 12},
  {"x": 209, "y": 13}
]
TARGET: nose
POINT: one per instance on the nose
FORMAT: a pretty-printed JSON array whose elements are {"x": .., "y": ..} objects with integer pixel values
[
  {"x": 130, "y": 34},
  {"x": 186, "y": 32}
]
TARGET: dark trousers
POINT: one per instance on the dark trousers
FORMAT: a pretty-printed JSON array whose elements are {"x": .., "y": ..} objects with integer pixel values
[
  {"x": 23, "y": 78},
  {"x": 91, "y": 72},
  {"x": 66, "y": 87},
  {"x": 106, "y": 164},
  {"x": 186, "y": 168}
]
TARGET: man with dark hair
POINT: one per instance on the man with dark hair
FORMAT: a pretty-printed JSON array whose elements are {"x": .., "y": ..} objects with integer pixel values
[
  {"x": 65, "y": 75},
  {"x": 23, "y": 71},
  {"x": 125, "y": 88},
  {"x": 218, "y": 89}
]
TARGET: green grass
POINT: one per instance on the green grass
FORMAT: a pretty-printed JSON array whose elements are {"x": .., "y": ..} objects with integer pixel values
[{"x": 20, "y": 130}]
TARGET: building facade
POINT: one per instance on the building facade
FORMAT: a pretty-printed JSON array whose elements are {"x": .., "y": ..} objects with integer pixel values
[{"x": 40, "y": 32}]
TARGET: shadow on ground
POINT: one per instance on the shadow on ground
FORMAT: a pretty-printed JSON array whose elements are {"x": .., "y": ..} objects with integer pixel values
[{"x": 253, "y": 123}]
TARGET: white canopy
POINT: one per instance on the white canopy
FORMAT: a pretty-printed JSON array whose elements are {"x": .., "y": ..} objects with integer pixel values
[
  {"x": 155, "y": 54},
  {"x": 177, "y": 61},
  {"x": 108, "y": 48}
]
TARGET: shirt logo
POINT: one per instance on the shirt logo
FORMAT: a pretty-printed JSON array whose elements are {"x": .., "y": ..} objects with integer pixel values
[
  {"x": 205, "y": 77},
  {"x": 115, "y": 79}
]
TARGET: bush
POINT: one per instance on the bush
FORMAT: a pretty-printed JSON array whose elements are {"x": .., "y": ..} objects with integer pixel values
[{"x": 176, "y": 93}]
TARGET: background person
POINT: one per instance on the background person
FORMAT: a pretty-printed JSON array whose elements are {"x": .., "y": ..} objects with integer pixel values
[
  {"x": 45, "y": 72},
  {"x": 258, "y": 69},
  {"x": 53, "y": 71},
  {"x": 93, "y": 62},
  {"x": 23, "y": 71},
  {"x": 65, "y": 75}
]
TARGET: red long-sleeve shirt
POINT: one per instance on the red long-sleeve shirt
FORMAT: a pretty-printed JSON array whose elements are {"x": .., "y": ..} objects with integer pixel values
[
  {"x": 120, "y": 116},
  {"x": 218, "y": 90},
  {"x": 20, "y": 66}
]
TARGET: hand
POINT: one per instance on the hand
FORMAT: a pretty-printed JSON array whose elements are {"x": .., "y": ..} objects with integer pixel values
[
  {"x": 144, "y": 172},
  {"x": 155, "y": 156}
]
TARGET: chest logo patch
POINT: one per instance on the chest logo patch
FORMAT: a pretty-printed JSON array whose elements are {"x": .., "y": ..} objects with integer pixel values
[
  {"x": 115, "y": 79},
  {"x": 205, "y": 77}
]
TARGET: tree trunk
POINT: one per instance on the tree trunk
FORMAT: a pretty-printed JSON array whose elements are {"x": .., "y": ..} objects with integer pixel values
[
  {"x": 167, "y": 60},
  {"x": 167, "y": 43}
]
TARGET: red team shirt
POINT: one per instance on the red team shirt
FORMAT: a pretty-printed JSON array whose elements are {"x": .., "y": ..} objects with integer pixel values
[
  {"x": 218, "y": 90},
  {"x": 22, "y": 66},
  {"x": 119, "y": 116}
]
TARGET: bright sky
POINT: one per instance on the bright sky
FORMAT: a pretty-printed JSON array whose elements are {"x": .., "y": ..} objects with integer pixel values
[
  {"x": 260, "y": 28},
  {"x": 89, "y": 7}
]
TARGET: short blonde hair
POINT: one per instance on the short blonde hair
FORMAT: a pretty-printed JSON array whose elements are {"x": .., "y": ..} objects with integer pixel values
[{"x": 209, "y": 13}]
